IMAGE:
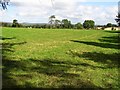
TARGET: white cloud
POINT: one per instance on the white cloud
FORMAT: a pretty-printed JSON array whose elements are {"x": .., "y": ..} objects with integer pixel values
[{"x": 40, "y": 10}]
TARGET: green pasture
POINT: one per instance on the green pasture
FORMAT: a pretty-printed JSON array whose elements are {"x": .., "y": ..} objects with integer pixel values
[{"x": 63, "y": 58}]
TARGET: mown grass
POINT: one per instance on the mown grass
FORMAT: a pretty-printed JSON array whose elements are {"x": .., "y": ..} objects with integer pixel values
[{"x": 41, "y": 58}]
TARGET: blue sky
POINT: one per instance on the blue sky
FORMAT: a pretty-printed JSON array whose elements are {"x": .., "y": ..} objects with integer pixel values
[{"x": 38, "y": 11}]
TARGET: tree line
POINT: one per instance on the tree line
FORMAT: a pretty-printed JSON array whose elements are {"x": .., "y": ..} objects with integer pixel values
[{"x": 54, "y": 23}]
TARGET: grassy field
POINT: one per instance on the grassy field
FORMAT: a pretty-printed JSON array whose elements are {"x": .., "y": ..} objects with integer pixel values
[{"x": 41, "y": 58}]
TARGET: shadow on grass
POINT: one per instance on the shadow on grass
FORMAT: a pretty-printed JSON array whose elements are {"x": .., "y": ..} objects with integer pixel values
[
  {"x": 7, "y": 38},
  {"x": 13, "y": 71},
  {"x": 112, "y": 42},
  {"x": 7, "y": 50},
  {"x": 113, "y": 31},
  {"x": 105, "y": 42},
  {"x": 99, "y": 44},
  {"x": 111, "y": 60},
  {"x": 112, "y": 39},
  {"x": 47, "y": 67}
]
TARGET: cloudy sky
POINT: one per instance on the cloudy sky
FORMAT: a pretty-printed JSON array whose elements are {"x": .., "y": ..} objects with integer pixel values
[{"x": 38, "y": 11}]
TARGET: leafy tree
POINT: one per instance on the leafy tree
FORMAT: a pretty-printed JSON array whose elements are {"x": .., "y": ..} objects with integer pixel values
[
  {"x": 109, "y": 25},
  {"x": 78, "y": 26},
  {"x": 118, "y": 16},
  {"x": 57, "y": 23},
  {"x": 118, "y": 21},
  {"x": 66, "y": 23},
  {"x": 114, "y": 25},
  {"x": 4, "y": 4},
  {"x": 5, "y": 24},
  {"x": 52, "y": 20},
  {"x": 15, "y": 23},
  {"x": 88, "y": 24}
]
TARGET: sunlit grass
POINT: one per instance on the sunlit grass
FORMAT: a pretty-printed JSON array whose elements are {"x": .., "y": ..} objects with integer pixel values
[{"x": 42, "y": 58}]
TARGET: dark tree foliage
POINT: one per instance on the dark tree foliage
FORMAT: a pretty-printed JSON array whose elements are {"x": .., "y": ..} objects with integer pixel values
[
  {"x": 118, "y": 17},
  {"x": 66, "y": 23},
  {"x": 89, "y": 24},
  {"x": 15, "y": 23},
  {"x": 78, "y": 26},
  {"x": 4, "y": 4},
  {"x": 5, "y": 24},
  {"x": 109, "y": 25}
]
